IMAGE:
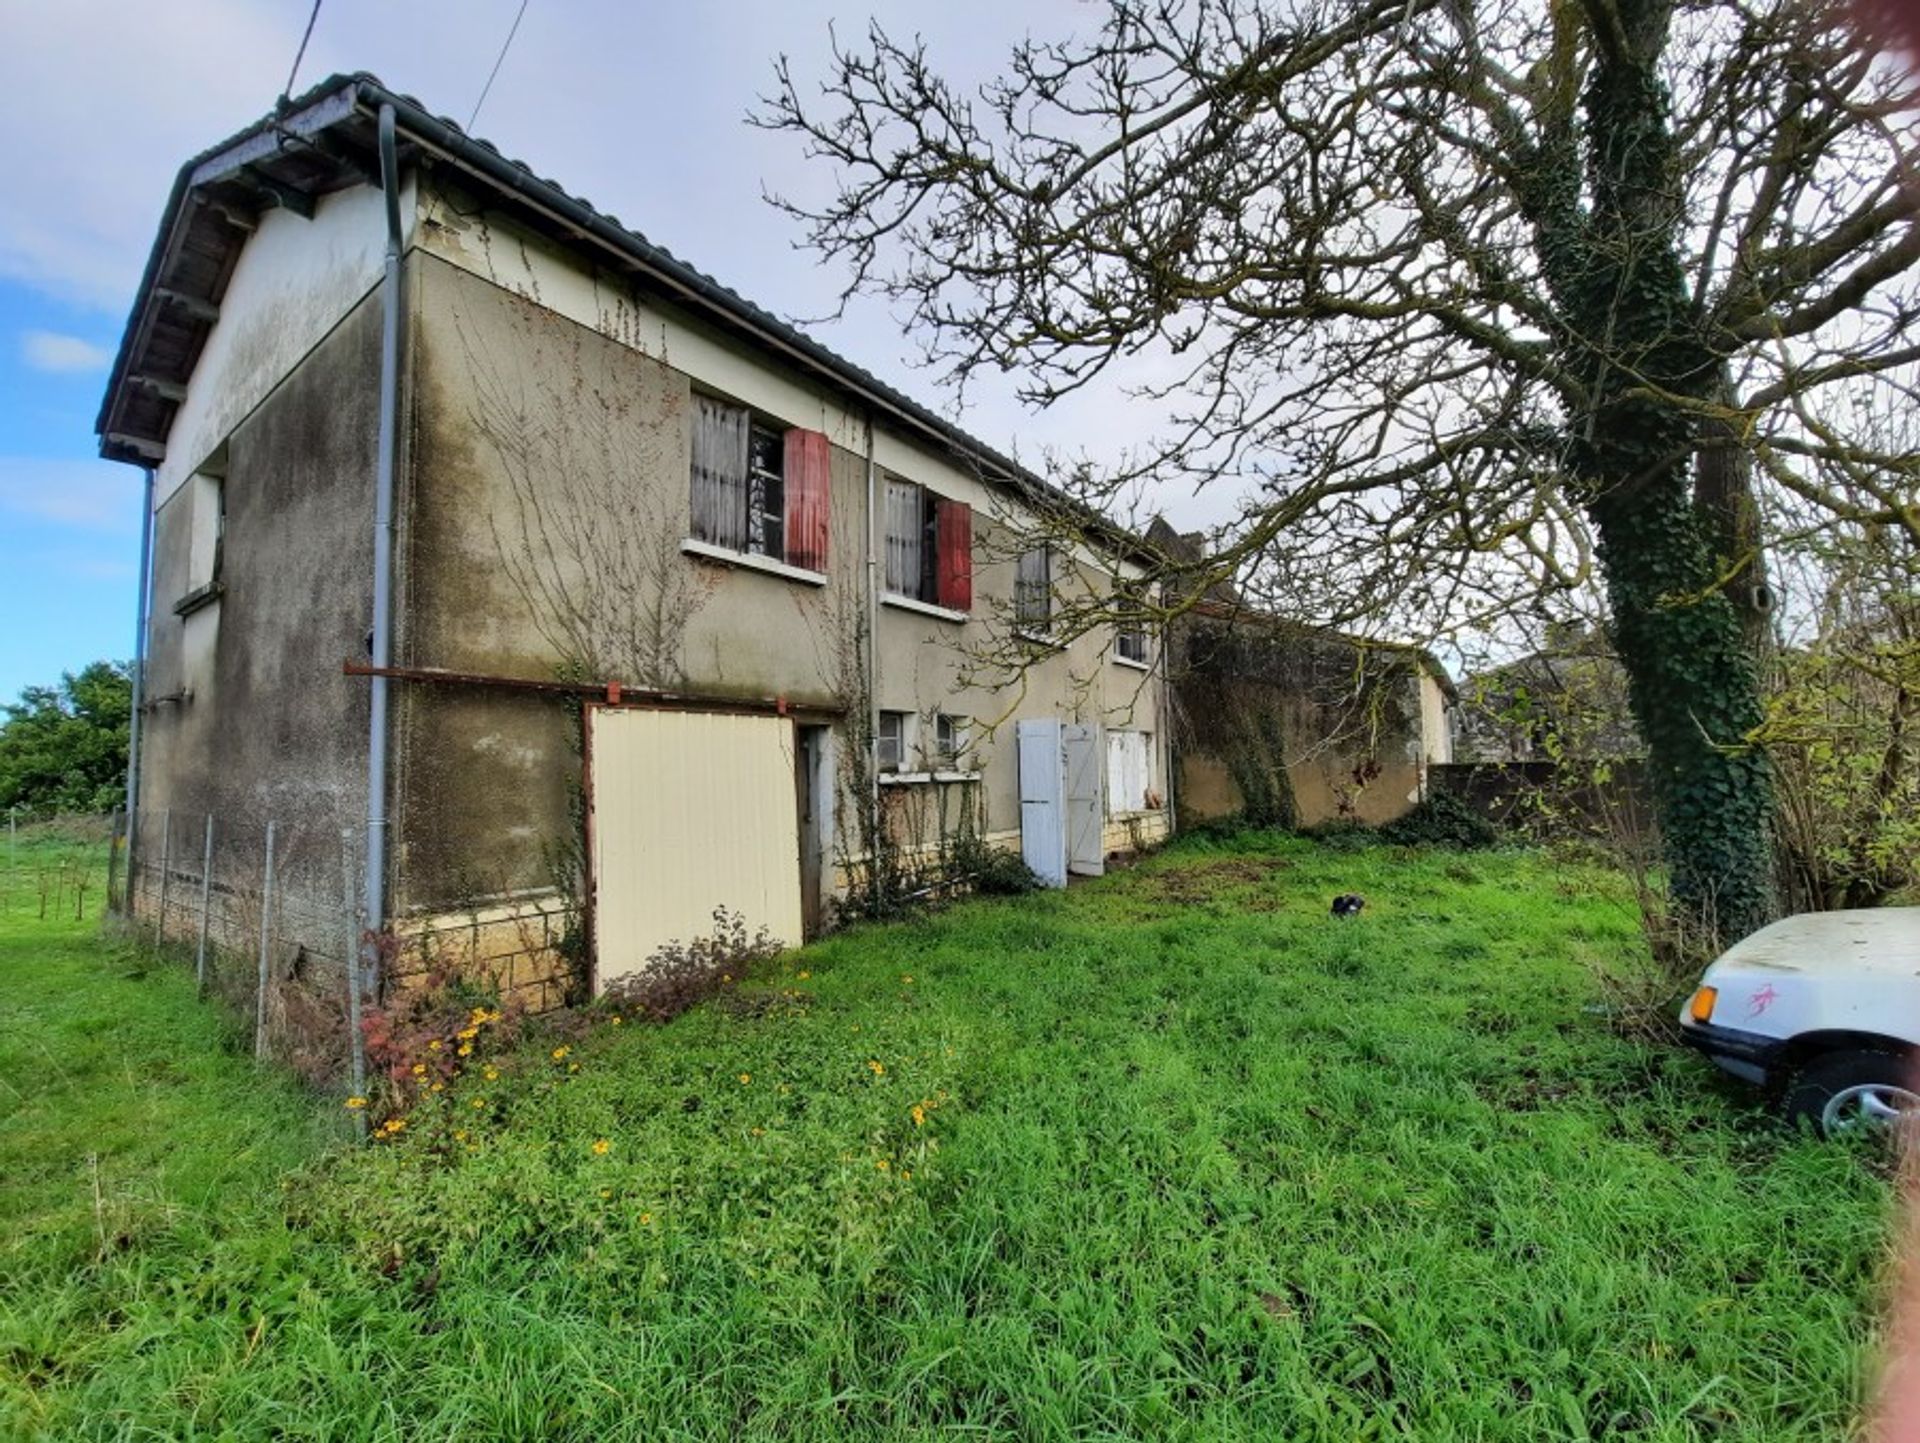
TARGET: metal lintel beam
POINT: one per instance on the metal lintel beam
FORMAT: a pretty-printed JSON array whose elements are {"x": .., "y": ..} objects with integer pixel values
[{"x": 612, "y": 692}]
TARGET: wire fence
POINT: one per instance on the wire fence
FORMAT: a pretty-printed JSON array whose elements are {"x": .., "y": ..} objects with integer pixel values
[{"x": 267, "y": 914}]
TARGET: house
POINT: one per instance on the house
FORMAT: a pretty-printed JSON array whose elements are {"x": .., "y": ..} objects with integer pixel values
[
  {"x": 580, "y": 595},
  {"x": 1288, "y": 724}
]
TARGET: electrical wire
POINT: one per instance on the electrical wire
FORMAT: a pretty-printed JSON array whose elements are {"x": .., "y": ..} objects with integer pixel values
[
  {"x": 301, "y": 53},
  {"x": 499, "y": 60}
]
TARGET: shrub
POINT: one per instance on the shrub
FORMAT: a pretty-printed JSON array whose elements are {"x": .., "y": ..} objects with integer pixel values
[
  {"x": 1442, "y": 819},
  {"x": 683, "y": 974}
]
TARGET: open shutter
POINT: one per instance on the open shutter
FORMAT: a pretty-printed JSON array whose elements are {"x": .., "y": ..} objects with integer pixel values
[
  {"x": 953, "y": 524},
  {"x": 809, "y": 485},
  {"x": 720, "y": 474}
]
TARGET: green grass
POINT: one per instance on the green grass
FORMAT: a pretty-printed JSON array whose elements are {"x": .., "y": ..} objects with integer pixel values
[{"x": 1197, "y": 1162}]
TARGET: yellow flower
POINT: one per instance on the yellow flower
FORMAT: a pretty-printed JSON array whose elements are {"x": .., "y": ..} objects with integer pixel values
[
  {"x": 467, "y": 1034},
  {"x": 438, "y": 1087},
  {"x": 758, "y": 1131},
  {"x": 726, "y": 977},
  {"x": 745, "y": 1078},
  {"x": 434, "y": 1046},
  {"x": 573, "y": 1067},
  {"x": 618, "y": 1020},
  {"x": 477, "y": 1103},
  {"x": 878, "y": 1068},
  {"x": 419, "y": 1069},
  {"x": 395, "y": 1125},
  {"x": 465, "y": 1049},
  {"x": 560, "y": 1053},
  {"x": 459, "y": 1134},
  {"x": 606, "y": 1192},
  {"x": 803, "y": 976},
  {"x": 645, "y": 1218},
  {"x": 477, "y": 1016},
  {"x": 493, "y": 1074},
  {"x": 883, "y": 1164},
  {"x": 907, "y": 1173},
  {"x": 919, "y": 1115},
  {"x": 906, "y": 977},
  {"x": 356, "y": 1102},
  {"x": 601, "y": 1147}
]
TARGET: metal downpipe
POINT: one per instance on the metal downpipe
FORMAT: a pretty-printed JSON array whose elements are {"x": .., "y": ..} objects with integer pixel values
[
  {"x": 374, "y": 890},
  {"x": 139, "y": 677}
]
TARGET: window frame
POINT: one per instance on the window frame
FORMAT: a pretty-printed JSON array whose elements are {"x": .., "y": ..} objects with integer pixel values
[
  {"x": 1025, "y": 590},
  {"x": 761, "y": 498}
]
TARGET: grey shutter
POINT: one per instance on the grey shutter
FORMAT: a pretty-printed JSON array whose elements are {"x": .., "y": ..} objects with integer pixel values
[
  {"x": 1033, "y": 590},
  {"x": 720, "y": 474}
]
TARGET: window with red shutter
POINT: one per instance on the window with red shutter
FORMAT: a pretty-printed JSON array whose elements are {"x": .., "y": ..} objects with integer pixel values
[
  {"x": 953, "y": 530},
  {"x": 809, "y": 485}
]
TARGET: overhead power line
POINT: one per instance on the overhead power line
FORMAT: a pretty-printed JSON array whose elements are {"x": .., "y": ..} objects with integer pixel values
[
  {"x": 301, "y": 53},
  {"x": 498, "y": 62}
]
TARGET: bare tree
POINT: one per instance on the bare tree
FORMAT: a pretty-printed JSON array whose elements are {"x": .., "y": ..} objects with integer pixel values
[{"x": 1483, "y": 299}]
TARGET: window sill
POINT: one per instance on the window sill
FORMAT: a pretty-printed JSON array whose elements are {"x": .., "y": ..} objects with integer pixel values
[
  {"x": 925, "y": 608},
  {"x": 1119, "y": 660},
  {"x": 903, "y": 779},
  {"x": 750, "y": 562},
  {"x": 199, "y": 598},
  {"x": 1038, "y": 638}
]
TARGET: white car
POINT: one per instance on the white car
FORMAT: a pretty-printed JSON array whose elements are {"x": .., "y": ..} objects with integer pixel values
[{"x": 1823, "y": 1009}]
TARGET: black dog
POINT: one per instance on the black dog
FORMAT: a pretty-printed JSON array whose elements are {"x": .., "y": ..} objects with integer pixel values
[{"x": 1348, "y": 904}]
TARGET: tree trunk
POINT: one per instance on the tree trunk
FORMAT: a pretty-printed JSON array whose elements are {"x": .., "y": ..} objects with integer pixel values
[
  {"x": 1634, "y": 334},
  {"x": 1723, "y": 495}
]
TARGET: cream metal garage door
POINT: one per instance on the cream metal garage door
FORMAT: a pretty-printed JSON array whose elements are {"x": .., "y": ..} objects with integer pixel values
[{"x": 691, "y": 811}]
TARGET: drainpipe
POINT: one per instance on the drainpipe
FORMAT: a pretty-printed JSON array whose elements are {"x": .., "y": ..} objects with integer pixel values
[
  {"x": 375, "y": 885},
  {"x": 139, "y": 675},
  {"x": 873, "y": 663}
]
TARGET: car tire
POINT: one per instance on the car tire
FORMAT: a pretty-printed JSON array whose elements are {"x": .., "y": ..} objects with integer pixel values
[{"x": 1836, "y": 1092}]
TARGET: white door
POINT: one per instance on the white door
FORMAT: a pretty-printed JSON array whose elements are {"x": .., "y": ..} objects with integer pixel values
[
  {"x": 1043, "y": 837},
  {"x": 1086, "y": 814},
  {"x": 692, "y": 811}
]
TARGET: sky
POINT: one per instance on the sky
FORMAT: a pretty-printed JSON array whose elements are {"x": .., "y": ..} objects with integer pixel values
[{"x": 639, "y": 107}]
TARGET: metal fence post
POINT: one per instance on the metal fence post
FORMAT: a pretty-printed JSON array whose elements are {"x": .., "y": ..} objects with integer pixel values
[
  {"x": 166, "y": 865},
  {"x": 206, "y": 912},
  {"x": 356, "y": 1039},
  {"x": 266, "y": 933}
]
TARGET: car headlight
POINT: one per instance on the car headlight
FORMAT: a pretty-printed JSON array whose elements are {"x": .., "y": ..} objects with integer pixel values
[{"x": 1701, "y": 1008}]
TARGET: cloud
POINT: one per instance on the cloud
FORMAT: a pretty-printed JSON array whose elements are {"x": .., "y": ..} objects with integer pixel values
[
  {"x": 101, "y": 497},
  {"x": 51, "y": 351}
]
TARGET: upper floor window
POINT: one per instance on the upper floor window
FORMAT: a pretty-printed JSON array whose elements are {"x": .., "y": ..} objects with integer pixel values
[
  {"x": 757, "y": 488},
  {"x": 1033, "y": 590},
  {"x": 1130, "y": 644},
  {"x": 929, "y": 547}
]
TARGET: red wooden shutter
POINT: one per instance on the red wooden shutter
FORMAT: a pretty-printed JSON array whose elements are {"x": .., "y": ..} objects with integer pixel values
[
  {"x": 809, "y": 473},
  {"x": 953, "y": 528}
]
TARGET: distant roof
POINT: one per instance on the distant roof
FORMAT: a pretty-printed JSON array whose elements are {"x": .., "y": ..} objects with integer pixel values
[{"x": 324, "y": 141}]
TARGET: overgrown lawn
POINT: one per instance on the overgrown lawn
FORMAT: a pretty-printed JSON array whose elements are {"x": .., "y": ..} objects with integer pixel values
[{"x": 1171, "y": 1155}]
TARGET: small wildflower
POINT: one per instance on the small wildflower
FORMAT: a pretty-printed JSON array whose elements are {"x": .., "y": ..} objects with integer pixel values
[
  {"x": 906, "y": 977},
  {"x": 434, "y": 1046},
  {"x": 907, "y": 1173},
  {"x": 438, "y": 1087},
  {"x": 601, "y": 1147},
  {"x": 493, "y": 1074},
  {"x": 560, "y": 1053},
  {"x": 419, "y": 1069},
  {"x": 465, "y": 1049},
  {"x": 758, "y": 1131},
  {"x": 573, "y": 1067},
  {"x": 477, "y": 1016},
  {"x": 803, "y": 976},
  {"x": 477, "y": 1103},
  {"x": 726, "y": 977},
  {"x": 876, "y": 1067},
  {"x": 883, "y": 1164},
  {"x": 618, "y": 1020},
  {"x": 459, "y": 1134},
  {"x": 606, "y": 1192},
  {"x": 745, "y": 1078},
  {"x": 356, "y": 1103},
  {"x": 467, "y": 1034},
  {"x": 645, "y": 1219},
  {"x": 919, "y": 1115}
]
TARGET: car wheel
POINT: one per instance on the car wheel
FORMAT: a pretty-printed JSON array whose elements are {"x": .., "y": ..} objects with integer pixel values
[{"x": 1847, "y": 1092}]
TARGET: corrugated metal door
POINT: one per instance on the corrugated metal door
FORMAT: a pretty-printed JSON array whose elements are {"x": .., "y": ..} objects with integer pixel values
[
  {"x": 691, "y": 811},
  {"x": 1086, "y": 817},
  {"x": 1043, "y": 836}
]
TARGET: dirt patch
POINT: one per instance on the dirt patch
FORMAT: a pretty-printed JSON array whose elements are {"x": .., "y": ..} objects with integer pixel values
[{"x": 1201, "y": 883}]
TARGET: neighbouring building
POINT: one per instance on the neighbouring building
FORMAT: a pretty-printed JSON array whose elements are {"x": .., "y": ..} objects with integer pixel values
[
  {"x": 681, "y": 611},
  {"x": 1287, "y": 724}
]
